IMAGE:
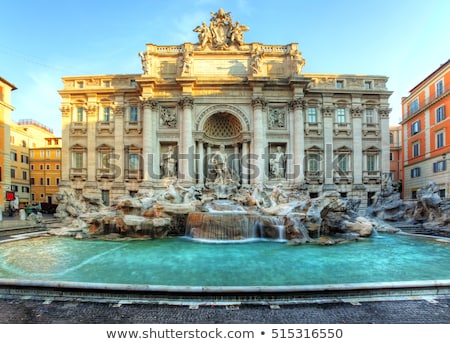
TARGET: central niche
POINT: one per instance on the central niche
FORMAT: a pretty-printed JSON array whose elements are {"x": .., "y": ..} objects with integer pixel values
[{"x": 222, "y": 125}]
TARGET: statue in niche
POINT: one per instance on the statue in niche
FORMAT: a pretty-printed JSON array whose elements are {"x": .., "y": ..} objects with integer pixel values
[
  {"x": 186, "y": 63},
  {"x": 256, "y": 63},
  {"x": 276, "y": 119},
  {"x": 277, "y": 163},
  {"x": 219, "y": 161},
  {"x": 146, "y": 62},
  {"x": 168, "y": 118},
  {"x": 169, "y": 163}
]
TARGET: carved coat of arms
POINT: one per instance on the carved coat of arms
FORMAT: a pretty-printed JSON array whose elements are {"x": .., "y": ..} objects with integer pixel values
[{"x": 222, "y": 32}]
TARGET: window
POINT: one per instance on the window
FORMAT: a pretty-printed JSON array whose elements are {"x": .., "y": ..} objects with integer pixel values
[
  {"x": 414, "y": 194},
  {"x": 312, "y": 115},
  {"x": 105, "y": 197},
  {"x": 80, "y": 114},
  {"x": 48, "y": 153},
  {"x": 439, "y": 88},
  {"x": 1, "y": 177},
  {"x": 106, "y": 83},
  {"x": 343, "y": 162},
  {"x": 415, "y": 127},
  {"x": 313, "y": 162},
  {"x": 32, "y": 154},
  {"x": 104, "y": 159},
  {"x": 391, "y": 138},
  {"x": 41, "y": 153},
  {"x": 48, "y": 181},
  {"x": 367, "y": 85},
  {"x": 25, "y": 189},
  {"x": 13, "y": 156},
  {"x": 80, "y": 84},
  {"x": 133, "y": 162},
  {"x": 47, "y": 167},
  {"x": 415, "y": 172},
  {"x": 57, "y": 181},
  {"x": 78, "y": 160},
  {"x": 24, "y": 159},
  {"x": 440, "y": 139},
  {"x": 41, "y": 167},
  {"x": 133, "y": 83},
  {"x": 414, "y": 106},
  {"x": 340, "y": 115},
  {"x": 439, "y": 166},
  {"x": 440, "y": 113},
  {"x": 13, "y": 173},
  {"x": 106, "y": 114},
  {"x": 24, "y": 174},
  {"x": 32, "y": 181},
  {"x": 371, "y": 162},
  {"x": 391, "y": 156},
  {"x": 339, "y": 83},
  {"x": 41, "y": 181},
  {"x": 370, "y": 116},
  {"x": 416, "y": 149},
  {"x": 57, "y": 166},
  {"x": 58, "y": 153},
  {"x": 133, "y": 114}
]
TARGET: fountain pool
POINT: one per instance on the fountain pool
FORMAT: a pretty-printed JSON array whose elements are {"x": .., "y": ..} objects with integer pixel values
[{"x": 183, "y": 262}]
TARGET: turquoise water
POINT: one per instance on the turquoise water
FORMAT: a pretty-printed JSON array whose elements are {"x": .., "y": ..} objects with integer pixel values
[{"x": 181, "y": 262}]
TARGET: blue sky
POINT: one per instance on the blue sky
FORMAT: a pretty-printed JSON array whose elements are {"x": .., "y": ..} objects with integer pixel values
[{"x": 44, "y": 40}]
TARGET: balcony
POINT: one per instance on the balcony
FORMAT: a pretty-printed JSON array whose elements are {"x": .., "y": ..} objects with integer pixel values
[
  {"x": 371, "y": 177},
  {"x": 371, "y": 129},
  {"x": 343, "y": 177},
  {"x": 106, "y": 127},
  {"x": 133, "y": 127},
  {"x": 313, "y": 127},
  {"x": 345, "y": 128},
  {"x": 314, "y": 177},
  {"x": 78, "y": 174},
  {"x": 78, "y": 128},
  {"x": 104, "y": 174},
  {"x": 133, "y": 175}
]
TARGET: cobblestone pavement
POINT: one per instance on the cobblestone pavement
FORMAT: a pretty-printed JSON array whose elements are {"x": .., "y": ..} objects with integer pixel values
[{"x": 421, "y": 311}]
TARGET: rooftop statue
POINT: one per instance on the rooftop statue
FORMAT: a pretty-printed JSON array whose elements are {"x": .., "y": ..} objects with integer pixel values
[{"x": 221, "y": 32}]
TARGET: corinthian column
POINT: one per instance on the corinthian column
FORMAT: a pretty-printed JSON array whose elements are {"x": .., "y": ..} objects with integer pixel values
[
  {"x": 148, "y": 149},
  {"x": 298, "y": 175},
  {"x": 65, "y": 153},
  {"x": 257, "y": 170},
  {"x": 91, "y": 145},
  {"x": 186, "y": 168}
]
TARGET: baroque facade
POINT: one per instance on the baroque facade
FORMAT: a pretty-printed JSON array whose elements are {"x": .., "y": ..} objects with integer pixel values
[{"x": 250, "y": 102}]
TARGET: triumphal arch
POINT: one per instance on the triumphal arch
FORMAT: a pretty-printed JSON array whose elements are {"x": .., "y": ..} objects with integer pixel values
[{"x": 225, "y": 108}]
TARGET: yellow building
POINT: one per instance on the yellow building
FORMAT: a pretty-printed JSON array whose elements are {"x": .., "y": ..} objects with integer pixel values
[
  {"x": 45, "y": 171},
  {"x": 25, "y": 135},
  {"x": 5, "y": 118}
]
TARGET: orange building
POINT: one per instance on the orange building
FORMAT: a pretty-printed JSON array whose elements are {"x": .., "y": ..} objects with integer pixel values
[
  {"x": 5, "y": 118},
  {"x": 45, "y": 171},
  {"x": 425, "y": 130}
]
